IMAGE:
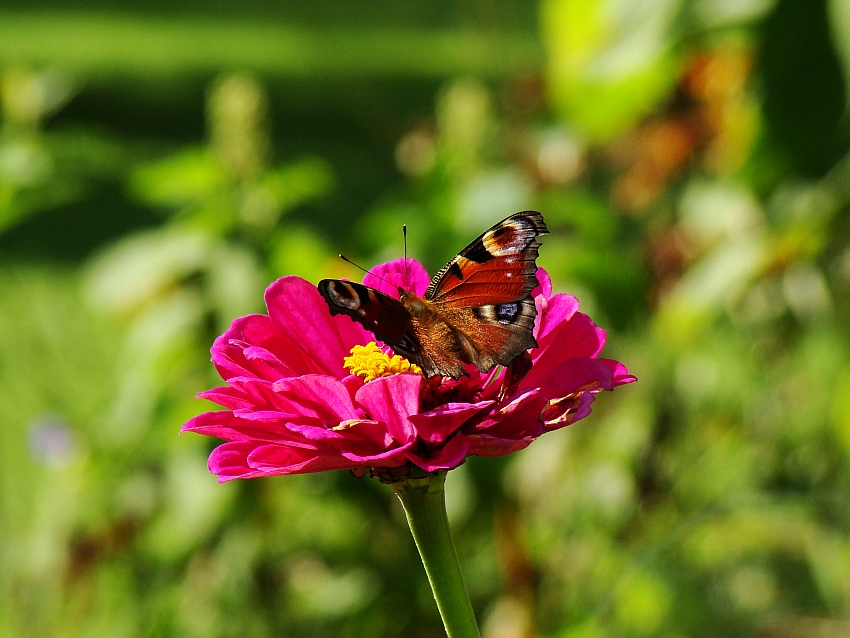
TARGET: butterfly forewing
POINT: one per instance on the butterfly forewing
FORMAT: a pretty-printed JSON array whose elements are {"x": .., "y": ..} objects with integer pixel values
[
  {"x": 499, "y": 265},
  {"x": 381, "y": 314}
]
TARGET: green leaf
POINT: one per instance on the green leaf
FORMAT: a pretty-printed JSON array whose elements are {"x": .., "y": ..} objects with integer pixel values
[
  {"x": 299, "y": 182},
  {"x": 609, "y": 62},
  {"x": 185, "y": 178}
]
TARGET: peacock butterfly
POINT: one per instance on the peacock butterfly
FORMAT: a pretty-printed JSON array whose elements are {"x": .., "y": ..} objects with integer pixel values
[{"x": 478, "y": 309}]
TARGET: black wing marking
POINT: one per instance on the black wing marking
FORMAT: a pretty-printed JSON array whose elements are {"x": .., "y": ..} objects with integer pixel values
[{"x": 381, "y": 314}]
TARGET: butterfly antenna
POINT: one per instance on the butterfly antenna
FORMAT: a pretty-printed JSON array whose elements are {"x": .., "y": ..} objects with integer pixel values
[
  {"x": 359, "y": 267},
  {"x": 404, "y": 232}
]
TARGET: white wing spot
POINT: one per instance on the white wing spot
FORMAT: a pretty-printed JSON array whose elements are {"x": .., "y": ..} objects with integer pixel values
[
  {"x": 522, "y": 235},
  {"x": 351, "y": 302}
]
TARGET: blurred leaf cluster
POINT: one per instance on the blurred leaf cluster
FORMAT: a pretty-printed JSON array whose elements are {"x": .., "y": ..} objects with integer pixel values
[
  {"x": 41, "y": 169},
  {"x": 691, "y": 160}
]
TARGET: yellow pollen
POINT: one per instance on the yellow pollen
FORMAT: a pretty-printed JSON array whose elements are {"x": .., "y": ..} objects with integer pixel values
[{"x": 371, "y": 363}]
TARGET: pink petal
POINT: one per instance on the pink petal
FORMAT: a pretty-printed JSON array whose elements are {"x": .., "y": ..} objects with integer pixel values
[
  {"x": 571, "y": 412},
  {"x": 264, "y": 416},
  {"x": 619, "y": 371},
  {"x": 298, "y": 310},
  {"x": 389, "y": 458},
  {"x": 259, "y": 392},
  {"x": 487, "y": 445},
  {"x": 387, "y": 277},
  {"x": 578, "y": 337},
  {"x": 584, "y": 410},
  {"x": 585, "y": 338},
  {"x": 351, "y": 334},
  {"x": 552, "y": 312},
  {"x": 318, "y": 396},
  {"x": 257, "y": 331},
  {"x": 364, "y": 438},
  {"x": 391, "y": 400},
  {"x": 447, "y": 457},
  {"x": 436, "y": 425},
  {"x": 517, "y": 420},
  {"x": 370, "y": 433},
  {"x": 544, "y": 284},
  {"x": 230, "y": 461},
  {"x": 226, "y": 396},
  {"x": 261, "y": 357},
  {"x": 492, "y": 383},
  {"x": 572, "y": 375},
  {"x": 225, "y": 425},
  {"x": 352, "y": 383},
  {"x": 278, "y": 459}
]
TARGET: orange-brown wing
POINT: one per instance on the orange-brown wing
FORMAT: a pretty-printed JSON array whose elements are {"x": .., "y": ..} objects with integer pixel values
[
  {"x": 386, "y": 317},
  {"x": 484, "y": 294}
]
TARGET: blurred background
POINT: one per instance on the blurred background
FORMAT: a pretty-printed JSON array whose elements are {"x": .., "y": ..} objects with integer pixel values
[{"x": 162, "y": 161}]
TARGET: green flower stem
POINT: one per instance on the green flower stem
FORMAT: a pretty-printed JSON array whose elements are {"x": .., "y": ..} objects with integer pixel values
[{"x": 424, "y": 502}]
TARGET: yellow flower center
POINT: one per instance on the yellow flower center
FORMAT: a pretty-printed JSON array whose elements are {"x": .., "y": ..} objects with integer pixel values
[{"x": 371, "y": 363}]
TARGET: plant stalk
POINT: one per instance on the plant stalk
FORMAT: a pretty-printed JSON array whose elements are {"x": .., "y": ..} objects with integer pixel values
[{"x": 424, "y": 502}]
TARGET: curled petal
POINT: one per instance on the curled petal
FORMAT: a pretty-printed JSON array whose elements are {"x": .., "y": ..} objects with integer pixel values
[
  {"x": 518, "y": 419},
  {"x": 436, "y": 425},
  {"x": 264, "y": 416},
  {"x": 356, "y": 433},
  {"x": 552, "y": 312},
  {"x": 447, "y": 457},
  {"x": 263, "y": 358},
  {"x": 619, "y": 372},
  {"x": 567, "y": 410},
  {"x": 389, "y": 458},
  {"x": 230, "y": 461},
  {"x": 279, "y": 459},
  {"x": 544, "y": 284},
  {"x": 488, "y": 445}
]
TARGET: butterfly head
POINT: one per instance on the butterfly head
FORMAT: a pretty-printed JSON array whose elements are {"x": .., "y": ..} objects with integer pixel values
[{"x": 416, "y": 306}]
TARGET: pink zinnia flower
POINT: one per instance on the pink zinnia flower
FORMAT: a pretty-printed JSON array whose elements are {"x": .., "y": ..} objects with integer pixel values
[{"x": 308, "y": 392}]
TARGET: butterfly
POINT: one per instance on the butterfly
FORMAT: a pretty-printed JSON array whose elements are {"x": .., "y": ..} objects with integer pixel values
[{"x": 478, "y": 308}]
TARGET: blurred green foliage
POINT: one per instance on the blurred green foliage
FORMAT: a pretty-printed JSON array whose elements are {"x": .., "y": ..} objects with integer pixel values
[{"x": 159, "y": 167}]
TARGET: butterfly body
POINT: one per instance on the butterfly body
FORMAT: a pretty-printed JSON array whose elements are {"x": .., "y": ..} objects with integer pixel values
[{"x": 477, "y": 310}]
